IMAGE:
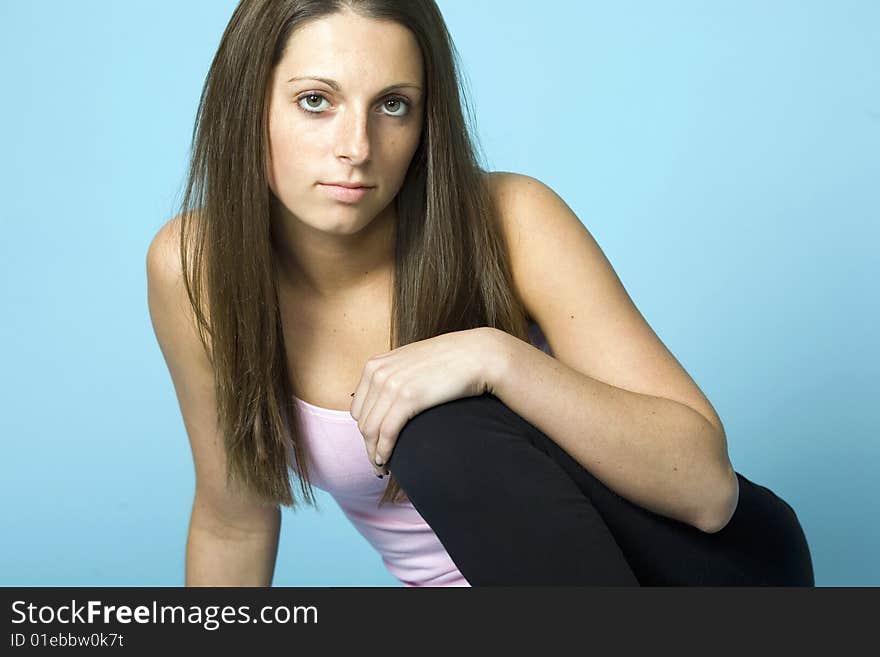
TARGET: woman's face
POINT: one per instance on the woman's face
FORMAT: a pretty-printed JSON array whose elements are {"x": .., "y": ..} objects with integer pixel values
[{"x": 360, "y": 132}]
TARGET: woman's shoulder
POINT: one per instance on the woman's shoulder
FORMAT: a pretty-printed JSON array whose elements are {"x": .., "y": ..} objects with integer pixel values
[
  {"x": 163, "y": 253},
  {"x": 505, "y": 183},
  {"x": 514, "y": 196},
  {"x": 166, "y": 283},
  {"x": 166, "y": 241}
]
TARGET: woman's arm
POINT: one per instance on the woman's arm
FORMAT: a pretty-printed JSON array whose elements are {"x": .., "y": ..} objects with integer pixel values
[
  {"x": 655, "y": 452},
  {"x": 613, "y": 396},
  {"x": 218, "y": 554},
  {"x": 233, "y": 537}
]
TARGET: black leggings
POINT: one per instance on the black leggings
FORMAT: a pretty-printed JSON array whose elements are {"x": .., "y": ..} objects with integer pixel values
[{"x": 511, "y": 507}]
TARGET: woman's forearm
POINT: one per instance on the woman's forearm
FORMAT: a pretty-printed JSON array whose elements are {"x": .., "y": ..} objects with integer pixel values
[
  {"x": 657, "y": 453},
  {"x": 218, "y": 557}
]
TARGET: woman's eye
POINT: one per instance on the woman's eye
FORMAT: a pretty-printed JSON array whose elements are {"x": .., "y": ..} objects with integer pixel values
[
  {"x": 308, "y": 98},
  {"x": 311, "y": 103},
  {"x": 400, "y": 102}
]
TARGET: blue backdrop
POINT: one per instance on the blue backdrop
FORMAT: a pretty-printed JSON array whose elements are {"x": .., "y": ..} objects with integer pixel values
[{"x": 724, "y": 155}]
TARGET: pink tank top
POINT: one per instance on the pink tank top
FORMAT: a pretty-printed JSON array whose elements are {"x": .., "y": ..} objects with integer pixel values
[{"x": 338, "y": 464}]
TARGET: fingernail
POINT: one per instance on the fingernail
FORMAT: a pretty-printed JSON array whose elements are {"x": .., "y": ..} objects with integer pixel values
[{"x": 378, "y": 460}]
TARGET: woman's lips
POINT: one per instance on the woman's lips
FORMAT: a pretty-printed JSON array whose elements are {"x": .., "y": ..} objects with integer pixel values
[{"x": 345, "y": 194}]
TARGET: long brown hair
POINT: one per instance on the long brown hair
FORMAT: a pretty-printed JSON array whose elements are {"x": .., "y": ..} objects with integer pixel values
[{"x": 451, "y": 270}]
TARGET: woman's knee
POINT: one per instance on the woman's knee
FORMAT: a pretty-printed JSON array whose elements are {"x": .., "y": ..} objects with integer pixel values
[
  {"x": 768, "y": 522},
  {"x": 448, "y": 450},
  {"x": 441, "y": 435}
]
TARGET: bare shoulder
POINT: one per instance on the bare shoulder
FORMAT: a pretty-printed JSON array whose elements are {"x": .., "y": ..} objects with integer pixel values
[
  {"x": 163, "y": 253},
  {"x": 527, "y": 209},
  {"x": 519, "y": 199},
  {"x": 164, "y": 267},
  {"x": 169, "y": 305}
]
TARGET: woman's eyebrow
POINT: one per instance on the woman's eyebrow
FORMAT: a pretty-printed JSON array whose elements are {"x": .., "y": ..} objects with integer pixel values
[{"x": 336, "y": 86}]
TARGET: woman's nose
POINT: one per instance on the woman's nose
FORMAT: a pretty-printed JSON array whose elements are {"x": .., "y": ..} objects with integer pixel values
[{"x": 353, "y": 139}]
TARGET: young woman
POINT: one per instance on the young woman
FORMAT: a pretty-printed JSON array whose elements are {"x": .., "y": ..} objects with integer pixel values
[{"x": 347, "y": 294}]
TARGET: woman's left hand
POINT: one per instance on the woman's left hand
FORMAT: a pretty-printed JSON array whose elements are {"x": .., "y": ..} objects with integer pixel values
[{"x": 399, "y": 384}]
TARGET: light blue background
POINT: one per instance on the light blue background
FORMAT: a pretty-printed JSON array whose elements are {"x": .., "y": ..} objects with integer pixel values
[{"x": 723, "y": 154}]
